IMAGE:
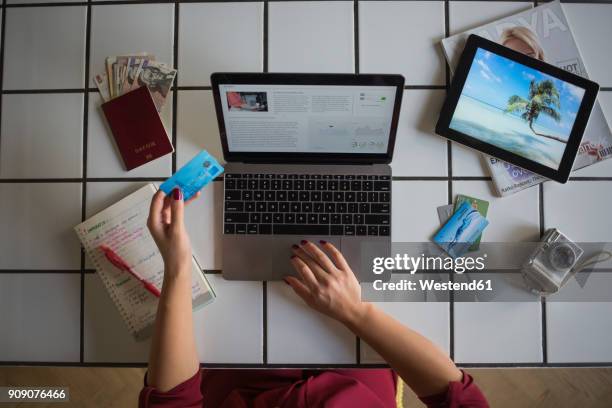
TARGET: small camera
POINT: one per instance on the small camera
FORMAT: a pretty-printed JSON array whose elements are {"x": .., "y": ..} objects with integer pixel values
[{"x": 552, "y": 263}]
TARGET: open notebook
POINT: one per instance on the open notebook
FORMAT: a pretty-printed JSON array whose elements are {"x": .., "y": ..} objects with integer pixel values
[{"x": 123, "y": 228}]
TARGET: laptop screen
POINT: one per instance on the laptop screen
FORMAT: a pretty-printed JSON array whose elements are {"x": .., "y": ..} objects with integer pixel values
[{"x": 349, "y": 119}]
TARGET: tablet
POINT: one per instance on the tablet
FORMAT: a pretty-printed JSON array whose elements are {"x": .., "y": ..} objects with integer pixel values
[{"x": 516, "y": 108}]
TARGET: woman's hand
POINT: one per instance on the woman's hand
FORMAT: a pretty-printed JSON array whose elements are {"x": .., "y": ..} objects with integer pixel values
[
  {"x": 167, "y": 226},
  {"x": 326, "y": 283}
]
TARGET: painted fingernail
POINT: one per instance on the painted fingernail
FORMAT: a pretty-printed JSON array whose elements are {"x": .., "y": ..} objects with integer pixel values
[
  {"x": 286, "y": 282},
  {"x": 177, "y": 194},
  {"x": 303, "y": 242},
  {"x": 323, "y": 242},
  {"x": 295, "y": 246}
]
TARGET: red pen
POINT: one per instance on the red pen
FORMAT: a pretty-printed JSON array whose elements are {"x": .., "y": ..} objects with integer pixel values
[{"x": 120, "y": 264}]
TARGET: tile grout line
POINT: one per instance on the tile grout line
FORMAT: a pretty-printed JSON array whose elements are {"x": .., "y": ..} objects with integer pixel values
[
  {"x": 175, "y": 46},
  {"x": 542, "y": 298},
  {"x": 88, "y": 11},
  {"x": 2, "y": 38},
  {"x": 449, "y": 168}
]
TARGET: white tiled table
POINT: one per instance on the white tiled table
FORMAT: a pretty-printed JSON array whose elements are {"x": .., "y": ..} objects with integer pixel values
[{"x": 58, "y": 166}]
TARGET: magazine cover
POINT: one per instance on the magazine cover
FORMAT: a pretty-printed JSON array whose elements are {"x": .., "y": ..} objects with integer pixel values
[{"x": 543, "y": 33}]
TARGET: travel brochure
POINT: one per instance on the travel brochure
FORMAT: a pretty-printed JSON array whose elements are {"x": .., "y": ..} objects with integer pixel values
[{"x": 544, "y": 33}]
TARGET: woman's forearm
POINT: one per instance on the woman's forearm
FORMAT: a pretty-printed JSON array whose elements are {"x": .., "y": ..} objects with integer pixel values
[
  {"x": 420, "y": 363},
  {"x": 173, "y": 357}
]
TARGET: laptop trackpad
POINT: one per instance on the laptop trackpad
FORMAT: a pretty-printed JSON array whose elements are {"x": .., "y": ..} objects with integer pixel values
[{"x": 262, "y": 257}]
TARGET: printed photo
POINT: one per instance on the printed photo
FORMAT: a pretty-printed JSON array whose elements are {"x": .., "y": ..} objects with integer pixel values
[
  {"x": 247, "y": 101},
  {"x": 517, "y": 108}
]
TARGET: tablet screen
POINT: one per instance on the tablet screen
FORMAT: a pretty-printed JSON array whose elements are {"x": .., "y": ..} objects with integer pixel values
[{"x": 517, "y": 108}]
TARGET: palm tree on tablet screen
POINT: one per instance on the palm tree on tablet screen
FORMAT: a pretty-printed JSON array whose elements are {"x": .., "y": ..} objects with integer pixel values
[{"x": 543, "y": 99}]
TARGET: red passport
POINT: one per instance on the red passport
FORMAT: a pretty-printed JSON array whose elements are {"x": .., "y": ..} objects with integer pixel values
[{"x": 137, "y": 128}]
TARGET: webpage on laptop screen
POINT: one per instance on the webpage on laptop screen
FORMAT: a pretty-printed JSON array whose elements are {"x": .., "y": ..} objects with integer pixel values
[{"x": 307, "y": 118}]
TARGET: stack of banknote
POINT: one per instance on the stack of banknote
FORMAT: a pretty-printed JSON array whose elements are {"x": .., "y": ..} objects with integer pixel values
[{"x": 128, "y": 72}]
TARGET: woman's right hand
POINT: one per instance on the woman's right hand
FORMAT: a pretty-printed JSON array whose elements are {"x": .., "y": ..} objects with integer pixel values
[{"x": 326, "y": 282}]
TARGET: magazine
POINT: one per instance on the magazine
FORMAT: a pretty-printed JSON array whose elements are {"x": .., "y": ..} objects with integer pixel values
[{"x": 544, "y": 33}]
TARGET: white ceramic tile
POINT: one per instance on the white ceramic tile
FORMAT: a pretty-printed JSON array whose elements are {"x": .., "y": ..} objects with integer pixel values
[
  {"x": 514, "y": 218},
  {"x": 467, "y": 162},
  {"x": 50, "y": 146},
  {"x": 590, "y": 24},
  {"x": 579, "y": 209},
  {"x": 44, "y": 47},
  {"x": 197, "y": 126},
  {"x": 38, "y": 219},
  {"x": 41, "y": 317},
  {"x": 103, "y": 158},
  {"x": 498, "y": 332},
  {"x": 207, "y": 44},
  {"x": 299, "y": 335},
  {"x": 603, "y": 169},
  {"x": 129, "y": 28},
  {"x": 429, "y": 319},
  {"x": 465, "y": 15},
  {"x": 311, "y": 36},
  {"x": 402, "y": 37},
  {"x": 418, "y": 150},
  {"x": 203, "y": 218},
  {"x": 579, "y": 321},
  {"x": 106, "y": 338},
  {"x": 414, "y": 217},
  {"x": 230, "y": 330}
]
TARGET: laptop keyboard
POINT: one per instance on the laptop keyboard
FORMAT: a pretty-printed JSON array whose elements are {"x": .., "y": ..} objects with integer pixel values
[{"x": 307, "y": 204}]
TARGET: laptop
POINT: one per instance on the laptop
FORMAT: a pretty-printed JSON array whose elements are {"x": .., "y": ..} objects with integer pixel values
[{"x": 307, "y": 158}]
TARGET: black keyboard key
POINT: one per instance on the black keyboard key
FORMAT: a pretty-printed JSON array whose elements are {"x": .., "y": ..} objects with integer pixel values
[
  {"x": 373, "y": 197},
  {"x": 287, "y": 185},
  {"x": 312, "y": 218},
  {"x": 260, "y": 206},
  {"x": 301, "y": 229},
  {"x": 341, "y": 208},
  {"x": 266, "y": 218},
  {"x": 252, "y": 184},
  {"x": 230, "y": 184},
  {"x": 237, "y": 217},
  {"x": 338, "y": 196},
  {"x": 264, "y": 184},
  {"x": 364, "y": 208},
  {"x": 349, "y": 230},
  {"x": 323, "y": 218},
  {"x": 296, "y": 207},
  {"x": 349, "y": 196},
  {"x": 382, "y": 219},
  {"x": 372, "y": 230},
  {"x": 358, "y": 218},
  {"x": 337, "y": 230},
  {"x": 382, "y": 208},
  {"x": 240, "y": 228},
  {"x": 311, "y": 185},
  {"x": 283, "y": 207},
  {"x": 249, "y": 206},
  {"x": 383, "y": 230},
  {"x": 322, "y": 185},
  {"x": 234, "y": 206},
  {"x": 277, "y": 218},
  {"x": 281, "y": 195},
  {"x": 300, "y": 218},
  {"x": 241, "y": 184},
  {"x": 332, "y": 185},
  {"x": 270, "y": 196},
  {"x": 255, "y": 218},
  {"x": 336, "y": 219},
  {"x": 272, "y": 207},
  {"x": 258, "y": 195},
  {"x": 318, "y": 207},
  {"x": 232, "y": 175},
  {"x": 289, "y": 218},
  {"x": 293, "y": 196},
  {"x": 306, "y": 207},
  {"x": 352, "y": 208},
  {"x": 362, "y": 197},
  {"x": 349, "y": 177},
  {"x": 330, "y": 207},
  {"x": 382, "y": 185},
  {"x": 362, "y": 230},
  {"x": 367, "y": 186},
  {"x": 233, "y": 195},
  {"x": 356, "y": 185},
  {"x": 384, "y": 197},
  {"x": 252, "y": 229},
  {"x": 315, "y": 196},
  {"x": 229, "y": 229},
  {"x": 276, "y": 185},
  {"x": 299, "y": 184},
  {"x": 347, "y": 218},
  {"x": 327, "y": 196},
  {"x": 247, "y": 195},
  {"x": 304, "y": 196},
  {"x": 385, "y": 177},
  {"x": 345, "y": 185},
  {"x": 265, "y": 229}
]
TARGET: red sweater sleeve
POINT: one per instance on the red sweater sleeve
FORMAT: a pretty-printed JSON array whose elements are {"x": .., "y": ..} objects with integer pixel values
[
  {"x": 185, "y": 395},
  {"x": 460, "y": 394}
]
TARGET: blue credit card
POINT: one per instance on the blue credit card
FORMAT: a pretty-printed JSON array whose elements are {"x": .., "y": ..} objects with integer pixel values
[
  {"x": 461, "y": 230},
  {"x": 194, "y": 175}
]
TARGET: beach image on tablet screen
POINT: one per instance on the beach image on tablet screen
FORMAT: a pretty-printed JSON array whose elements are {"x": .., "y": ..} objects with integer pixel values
[{"x": 517, "y": 108}]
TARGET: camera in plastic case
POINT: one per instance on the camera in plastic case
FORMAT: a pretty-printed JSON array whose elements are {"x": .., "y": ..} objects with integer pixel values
[{"x": 552, "y": 263}]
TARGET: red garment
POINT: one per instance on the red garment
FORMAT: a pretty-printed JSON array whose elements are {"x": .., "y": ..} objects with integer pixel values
[{"x": 301, "y": 388}]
